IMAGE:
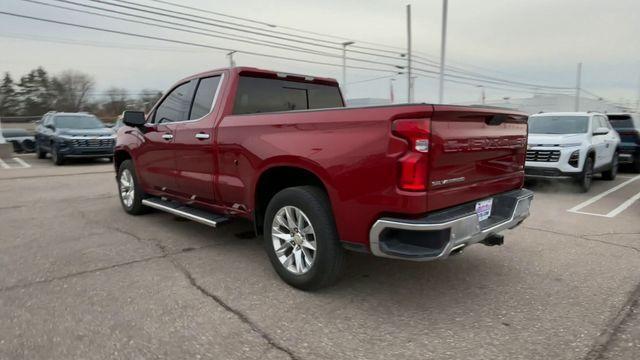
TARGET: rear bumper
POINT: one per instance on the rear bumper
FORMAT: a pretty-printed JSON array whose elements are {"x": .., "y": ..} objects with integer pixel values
[
  {"x": 628, "y": 153},
  {"x": 440, "y": 233}
]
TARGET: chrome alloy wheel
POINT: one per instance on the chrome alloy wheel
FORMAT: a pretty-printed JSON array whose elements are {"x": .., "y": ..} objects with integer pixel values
[
  {"x": 127, "y": 190},
  {"x": 294, "y": 240}
]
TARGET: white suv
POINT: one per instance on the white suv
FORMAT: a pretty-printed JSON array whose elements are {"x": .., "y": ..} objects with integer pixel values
[{"x": 572, "y": 145}]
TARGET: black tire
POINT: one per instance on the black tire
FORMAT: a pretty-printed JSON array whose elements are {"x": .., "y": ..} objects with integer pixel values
[
  {"x": 56, "y": 157},
  {"x": 586, "y": 178},
  {"x": 328, "y": 258},
  {"x": 136, "y": 207},
  {"x": 39, "y": 152},
  {"x": 613, "y": 171},
  {"x": 635, "y": 167}
]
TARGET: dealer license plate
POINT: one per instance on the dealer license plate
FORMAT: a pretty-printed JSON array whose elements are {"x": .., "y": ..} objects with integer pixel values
[{"x": 483, "y": 209}]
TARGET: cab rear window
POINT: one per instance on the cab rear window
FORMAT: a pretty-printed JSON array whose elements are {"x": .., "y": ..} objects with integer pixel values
[{"x": 264, "y": 95}]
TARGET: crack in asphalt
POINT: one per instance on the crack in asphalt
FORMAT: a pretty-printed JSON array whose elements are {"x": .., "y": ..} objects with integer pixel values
[
  {"x": 239, "y": 314},
  {"x": 79, "y": 273},
  {"x": 587, "y": 237},
  {"x": 604, "y": 340},
  {"x": 102, "y": 268},
  {"x": 193, "y": 282}
]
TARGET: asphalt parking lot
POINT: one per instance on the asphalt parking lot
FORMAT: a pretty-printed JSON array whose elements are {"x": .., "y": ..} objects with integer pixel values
[{"x": 83, "y": 280}]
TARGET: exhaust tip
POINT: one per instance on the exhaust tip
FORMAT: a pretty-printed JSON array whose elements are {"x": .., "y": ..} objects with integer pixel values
[{"x": 457, "y": 250}]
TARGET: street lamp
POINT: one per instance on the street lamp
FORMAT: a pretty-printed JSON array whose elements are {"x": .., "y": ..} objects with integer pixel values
[{"x": 344, "y": 66}]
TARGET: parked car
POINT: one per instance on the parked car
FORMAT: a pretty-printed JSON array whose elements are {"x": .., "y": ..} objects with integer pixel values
[
  {"x": 21, "y": 140},
  {"x": 572, "y": 145},
  {"x": 628, "y": 127},
  {"x": 415, "y": 182},
  {"x": 73, "y": 135}
]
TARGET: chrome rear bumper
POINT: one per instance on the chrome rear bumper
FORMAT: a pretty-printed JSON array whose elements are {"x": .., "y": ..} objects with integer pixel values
[{"x": 440, "y": 233}]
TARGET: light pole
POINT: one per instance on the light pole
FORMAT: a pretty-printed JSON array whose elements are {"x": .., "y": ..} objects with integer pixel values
[
  {"x": 230, "y": 55},
  {"x": 578, "y": 81},
  {"x": 409, "y": 84},
  {"x": 443, "y": 47},
  {"x": 482, "y": 94},
  {"x": 344, "y": 66}
]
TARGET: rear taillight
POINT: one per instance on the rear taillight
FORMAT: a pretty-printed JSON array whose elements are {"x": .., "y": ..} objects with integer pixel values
[{"x": 412, "y": 166}]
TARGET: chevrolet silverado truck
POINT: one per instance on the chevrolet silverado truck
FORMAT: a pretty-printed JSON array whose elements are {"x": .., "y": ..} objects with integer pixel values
[{"x": 416, "y": 181}]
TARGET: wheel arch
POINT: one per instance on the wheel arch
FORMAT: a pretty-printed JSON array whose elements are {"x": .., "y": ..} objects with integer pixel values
[
  {"x": 277, "y": 177},
  {"x": 119, "y": 156}
]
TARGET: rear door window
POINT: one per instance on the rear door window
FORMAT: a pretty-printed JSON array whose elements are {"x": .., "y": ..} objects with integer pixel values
[
  {"x": 205, "y": 94},
  {"x": 175, "y": 107},
  {"x": 263, "y": 95}
]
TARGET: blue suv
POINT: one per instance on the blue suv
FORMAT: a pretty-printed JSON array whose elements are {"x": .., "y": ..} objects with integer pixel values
[{"x": 73, "y": 135}]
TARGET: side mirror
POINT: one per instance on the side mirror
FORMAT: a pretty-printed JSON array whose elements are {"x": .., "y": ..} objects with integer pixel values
[
  {"x": 49, "y": 126},
  {"x": 133, "y": 118},
  {"x": 601, "y": 131}
]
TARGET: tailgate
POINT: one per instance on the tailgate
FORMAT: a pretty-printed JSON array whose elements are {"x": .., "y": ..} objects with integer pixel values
[{"x": 475, "y": 153}]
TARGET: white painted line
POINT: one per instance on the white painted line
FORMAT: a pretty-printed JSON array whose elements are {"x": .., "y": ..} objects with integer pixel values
[
  {"x": 22, "y": 163},
  {"x": 624, "y": 205},
  {"x": 588, "y": 213},
  {"x": 4, "y": 165},
  {"x": 603, "y": 194}
]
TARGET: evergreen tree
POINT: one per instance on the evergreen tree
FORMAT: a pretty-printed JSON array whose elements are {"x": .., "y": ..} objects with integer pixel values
[
  {"x": 9, "y": 103},
  {"x": 35, "y": 93}
]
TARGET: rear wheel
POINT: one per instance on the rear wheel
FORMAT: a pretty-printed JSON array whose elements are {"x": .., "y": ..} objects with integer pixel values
[
  {"x": 587, "y": 175},
  {"x": 301, "y": 239},
  {"x": 611, "y": 173},
  {"x": 129, "y": 189}
]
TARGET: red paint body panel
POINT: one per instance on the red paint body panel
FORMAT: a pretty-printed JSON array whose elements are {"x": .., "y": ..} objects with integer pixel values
[{"x": 351, "y": 150}]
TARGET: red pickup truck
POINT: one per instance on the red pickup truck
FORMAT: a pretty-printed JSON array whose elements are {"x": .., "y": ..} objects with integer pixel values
[{"x": 416, "y": 181}]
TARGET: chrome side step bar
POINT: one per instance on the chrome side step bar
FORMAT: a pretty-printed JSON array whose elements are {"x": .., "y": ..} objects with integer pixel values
[{"x": 187, "y": 212}]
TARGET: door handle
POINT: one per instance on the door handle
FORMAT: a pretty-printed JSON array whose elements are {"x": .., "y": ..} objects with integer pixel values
[
  {"x": 202, "y": 136},
  {"x": 167, "y": 136}
]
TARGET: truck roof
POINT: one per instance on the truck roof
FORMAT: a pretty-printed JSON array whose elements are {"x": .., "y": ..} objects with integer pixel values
[{"x": 266, "y": 73}]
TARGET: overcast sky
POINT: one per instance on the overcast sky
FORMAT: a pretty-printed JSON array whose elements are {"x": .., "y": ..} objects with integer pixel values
[{"x": 530, "y": 41}]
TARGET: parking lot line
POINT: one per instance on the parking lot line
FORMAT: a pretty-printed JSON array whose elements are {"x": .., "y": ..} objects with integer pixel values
[
  {"x": 613, "y": 212},
  {"x": 4, "y": 165},
  {"x": 22, "y": 163},
  {"x": 624, "y": 205}
]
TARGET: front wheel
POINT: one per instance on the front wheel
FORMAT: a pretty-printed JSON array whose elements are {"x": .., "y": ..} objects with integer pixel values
[
  {"x": 39, "y": 152},
  {"x": 301, "y": 239},
  {"x": 57, "y": 158},
  {"x": 587, "y": 175},
  {"x": 611, "y": 173},
  {"x": 129, "y": 189}
]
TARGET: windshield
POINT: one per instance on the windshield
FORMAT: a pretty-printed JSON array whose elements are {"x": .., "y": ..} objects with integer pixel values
[
  {"x": 78, "y": 122},
  {"x": 558, "y": 124}
]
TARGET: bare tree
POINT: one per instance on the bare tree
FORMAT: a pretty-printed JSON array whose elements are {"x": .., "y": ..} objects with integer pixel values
[
  {"x": 71, "y": 89},
  {"x": 117, "y": 101}
]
